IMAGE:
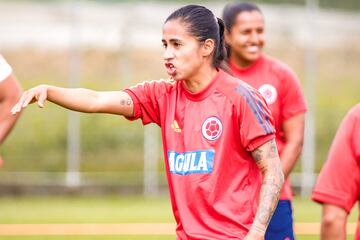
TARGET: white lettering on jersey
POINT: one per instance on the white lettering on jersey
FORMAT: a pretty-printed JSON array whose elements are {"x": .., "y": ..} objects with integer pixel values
[{"x": 191, "y": 162}]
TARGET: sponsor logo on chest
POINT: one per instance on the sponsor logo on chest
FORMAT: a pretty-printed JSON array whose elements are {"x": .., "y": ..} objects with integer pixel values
[{"x": 200, "y": 161}]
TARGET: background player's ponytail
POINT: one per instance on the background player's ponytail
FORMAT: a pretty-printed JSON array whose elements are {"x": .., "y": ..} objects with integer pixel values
[{"x": 204, "y": 25}]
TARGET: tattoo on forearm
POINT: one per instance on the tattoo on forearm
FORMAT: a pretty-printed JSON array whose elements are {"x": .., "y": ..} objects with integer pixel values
[
  {"x": 267, "y": 159},
  {"x": 270, "y": 196}
]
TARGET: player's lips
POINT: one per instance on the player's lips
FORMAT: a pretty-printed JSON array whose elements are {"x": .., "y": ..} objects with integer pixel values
[{"x": 170, "y": 69}]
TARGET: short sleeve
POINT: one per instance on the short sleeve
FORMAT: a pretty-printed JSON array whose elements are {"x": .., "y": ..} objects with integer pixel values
[
  {"x": 293, "y": 101},
  {"x": 255, "y": 120},
  {"x": 146, "y": 97},
  {"x": 339, "y": 179},
  {"x": 5, "y": 69},
  {"x": 356, "y": 134}
]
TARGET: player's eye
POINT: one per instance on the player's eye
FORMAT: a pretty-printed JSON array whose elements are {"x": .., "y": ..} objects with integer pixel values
[
  {"x": 177, "y": 44},
  {"x": 260, "y": 30}
]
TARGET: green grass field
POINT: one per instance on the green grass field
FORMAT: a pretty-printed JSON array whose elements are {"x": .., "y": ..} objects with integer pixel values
[{"x": 111, "y": 209}]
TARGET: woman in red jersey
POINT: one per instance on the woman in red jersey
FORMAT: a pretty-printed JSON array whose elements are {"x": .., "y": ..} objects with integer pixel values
[
  {"x": 338, "y": 184},
  {"x": 221, "y": 159},
  {"x": 9, "y": 94},
  {"x": 245, "y": 38}
]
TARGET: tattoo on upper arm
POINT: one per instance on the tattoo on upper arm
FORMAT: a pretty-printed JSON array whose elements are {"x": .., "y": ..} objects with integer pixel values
[
  {"x": 273, "y": 152},
  {"x": 257, "y": 154},
  {"x": 268, "y": 150},
  {"x": 127, "y": 101}
]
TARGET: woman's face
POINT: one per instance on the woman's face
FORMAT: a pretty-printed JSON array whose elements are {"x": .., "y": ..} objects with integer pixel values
[
  {"x": 183, "y": 52},
  {"x": 247, "y": 37}
]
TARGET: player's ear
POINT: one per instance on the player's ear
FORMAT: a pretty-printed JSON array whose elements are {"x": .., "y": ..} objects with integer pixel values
[{"x": 208, "y": 47}]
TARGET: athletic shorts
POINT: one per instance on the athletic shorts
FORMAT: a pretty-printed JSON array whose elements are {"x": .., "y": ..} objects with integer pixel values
[{"x": 281, "y": 224}]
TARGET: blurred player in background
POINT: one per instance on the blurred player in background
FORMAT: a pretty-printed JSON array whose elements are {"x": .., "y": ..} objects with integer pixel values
[
  {"x": 338, "y": 185},
  {"x": 9, "y": 94},
  {"x": 245, "y": 38},
  {"x": 217, "y": 131}
]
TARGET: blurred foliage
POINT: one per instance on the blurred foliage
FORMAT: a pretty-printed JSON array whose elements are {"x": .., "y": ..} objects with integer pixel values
[
  {"x": 352, "y": 5},
  {"x": 39, "y": 140},
  {"x": 111, "y": 143},
  {"x": 336, "y": 89}
]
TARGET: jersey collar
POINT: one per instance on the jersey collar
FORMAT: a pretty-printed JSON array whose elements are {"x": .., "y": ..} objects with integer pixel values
[
  {"x": 248, "y": 69},
  {"x": 206, "y": 91}
]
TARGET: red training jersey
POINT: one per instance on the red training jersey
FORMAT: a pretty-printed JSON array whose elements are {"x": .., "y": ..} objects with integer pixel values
[
  {"x": 208, "y": 136},
  {"x": 282, "y": 92},
  {"x": 339, "y": 179}
]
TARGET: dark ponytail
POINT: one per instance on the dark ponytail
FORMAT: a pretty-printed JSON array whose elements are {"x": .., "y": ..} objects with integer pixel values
[
  {"x": 220, "y": 51},
  {"x": 203, "y": 24}
]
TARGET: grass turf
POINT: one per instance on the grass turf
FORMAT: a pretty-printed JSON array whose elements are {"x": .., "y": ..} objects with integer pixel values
[{"x": 113, "y": 209}]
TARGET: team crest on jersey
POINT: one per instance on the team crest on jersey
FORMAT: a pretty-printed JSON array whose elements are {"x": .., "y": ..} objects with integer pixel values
[
  {"x": 212, "y": 128},
  {"x": 269, "y": 93},
  {"x": 200, "y": 161}
]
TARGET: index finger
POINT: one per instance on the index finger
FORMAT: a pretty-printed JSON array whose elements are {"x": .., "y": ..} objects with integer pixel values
[
  {"x": 30, "y": 96},
  {"x": 17, "y": 107}
]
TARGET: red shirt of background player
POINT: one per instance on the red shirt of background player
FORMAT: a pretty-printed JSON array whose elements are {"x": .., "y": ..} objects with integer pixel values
[
  {"x": 339, "y": 180},
  {"x": 282, "y": 92}
]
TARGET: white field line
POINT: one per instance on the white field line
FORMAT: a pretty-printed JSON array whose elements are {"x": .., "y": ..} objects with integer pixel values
[
  {"x": 312, "y": 228},
  {"x": 88, "y": 229}
]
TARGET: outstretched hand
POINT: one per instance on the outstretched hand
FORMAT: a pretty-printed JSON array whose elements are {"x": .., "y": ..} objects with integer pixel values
[{"x": 38, "y": 93}]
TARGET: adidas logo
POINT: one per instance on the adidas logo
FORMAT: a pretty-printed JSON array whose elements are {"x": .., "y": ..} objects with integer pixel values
[{"x": 175, "y": 126}]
